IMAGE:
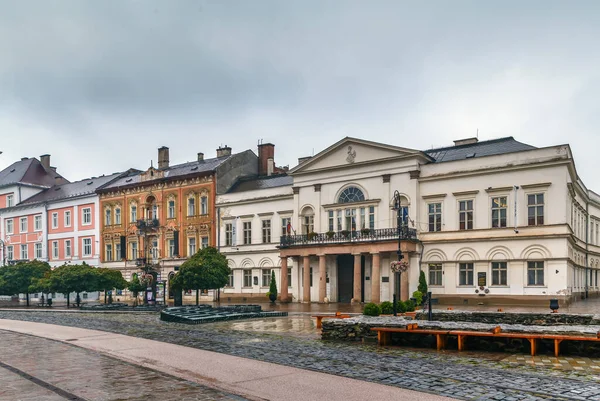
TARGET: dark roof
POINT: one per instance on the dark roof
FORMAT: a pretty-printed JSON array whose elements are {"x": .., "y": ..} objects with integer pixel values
[
  {"x": 71, "y": 190},
  {"x": 255, "y": 183},
  {"x": 28, "y": 171},
  {"x": 479, "y": 149},
  {"x": 177, "y": 170}
]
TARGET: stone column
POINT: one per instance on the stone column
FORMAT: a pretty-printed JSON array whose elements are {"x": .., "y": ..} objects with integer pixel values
[
  {"x": 375, "y": 278},
  {"x": 322, "y": 278},
  {"x": 357, "y": 278},
  {"x": 404, "y": 279},
  {"x": 306, "y": 287},
  {"x": 284, "y": 280}
]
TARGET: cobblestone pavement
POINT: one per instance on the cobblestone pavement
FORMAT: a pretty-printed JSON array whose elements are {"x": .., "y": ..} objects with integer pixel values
[
  {"x": 463, "y": 376},
  {"x": 33, "y": 368}
]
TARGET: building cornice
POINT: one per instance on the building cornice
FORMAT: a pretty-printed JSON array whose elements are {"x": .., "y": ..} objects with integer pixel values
[{"x": 255, "y": 200}]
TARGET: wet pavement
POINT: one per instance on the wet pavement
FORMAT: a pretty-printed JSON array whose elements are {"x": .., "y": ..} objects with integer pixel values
[
  {"x": 292, "y": 342},
  {"x": 33, "y": 368}
]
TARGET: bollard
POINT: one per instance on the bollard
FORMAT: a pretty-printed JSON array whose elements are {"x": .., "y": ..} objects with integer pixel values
[{"x": 394, "y": 306}]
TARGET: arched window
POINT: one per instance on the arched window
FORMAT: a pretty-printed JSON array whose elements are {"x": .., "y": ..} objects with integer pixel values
[
  {"x": 351, "y": 194},
  {"x": 308, "y": 220}
]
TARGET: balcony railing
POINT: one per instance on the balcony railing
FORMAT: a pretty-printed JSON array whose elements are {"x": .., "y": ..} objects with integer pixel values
[
  {"x": 340, "y": 237},
  {"x": 147, "y": 224}
]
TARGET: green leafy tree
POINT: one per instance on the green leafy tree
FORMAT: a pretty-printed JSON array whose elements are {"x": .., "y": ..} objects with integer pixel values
[
  {"x": 18, "y": 278},
  {"x": 74, "y": 278},
  {"x": 135, "y": 286},
  {"x": 206, "y": 270},
  {"x": 109, "y": 279}
]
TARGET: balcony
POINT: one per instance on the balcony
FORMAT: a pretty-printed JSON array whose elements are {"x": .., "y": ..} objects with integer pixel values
[
  {"x": 147, "y": 224},
  {"x": 343, "y": 237}
]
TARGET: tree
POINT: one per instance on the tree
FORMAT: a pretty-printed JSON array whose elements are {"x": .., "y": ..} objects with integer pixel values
[
  {"x": 109, "y": 279},
  {"x": 135, "y": 286},
  {"x": 273, "y": 286},
  {"x": 422, "y": 283},
  {"x": 74, "y": 278},
  {"x": 206, "y": 270},
  {"x": 18, "y": 278}
]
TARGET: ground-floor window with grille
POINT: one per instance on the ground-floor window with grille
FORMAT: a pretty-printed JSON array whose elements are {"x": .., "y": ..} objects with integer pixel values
[{"x": 435, "y": 274}]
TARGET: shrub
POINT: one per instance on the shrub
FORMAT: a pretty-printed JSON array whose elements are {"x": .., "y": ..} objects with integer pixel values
[
  {"x": 401, "y": 307},
  {"x": 372, "y": 309},
  {"x": 410, "y": 306},
  {"x": 422, "y": 283},
  {"x": 330, "y": 234},
  {"x": 273, "y": 285},
  {"x": 418, "y": 296},
  {"x": 387, "y": 308}
]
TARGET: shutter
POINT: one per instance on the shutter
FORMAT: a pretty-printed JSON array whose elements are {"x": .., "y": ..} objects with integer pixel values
[
  {"x": 123, "y": 254},
  {"x": 176, "y": 242}
]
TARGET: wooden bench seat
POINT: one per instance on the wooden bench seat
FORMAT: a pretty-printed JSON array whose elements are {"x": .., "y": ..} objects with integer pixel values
[
  {"x": 320, "y": 318},
  {"x": 384, "y": 336}
]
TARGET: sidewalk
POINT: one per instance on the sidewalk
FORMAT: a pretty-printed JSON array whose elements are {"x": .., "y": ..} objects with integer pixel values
[{"x": 248, "y": 378}]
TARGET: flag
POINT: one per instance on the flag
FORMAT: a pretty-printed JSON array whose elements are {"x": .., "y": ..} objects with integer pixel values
[{"x": 289, "y": 227}]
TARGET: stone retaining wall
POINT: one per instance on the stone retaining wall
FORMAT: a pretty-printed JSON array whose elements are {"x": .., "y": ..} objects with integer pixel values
[{"x": 525, "y": 318}]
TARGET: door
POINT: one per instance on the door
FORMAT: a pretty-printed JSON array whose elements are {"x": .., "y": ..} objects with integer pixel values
[{"x": 345, "y": 278}]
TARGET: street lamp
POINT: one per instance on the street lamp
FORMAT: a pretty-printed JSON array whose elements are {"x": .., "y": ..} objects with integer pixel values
[{"x": 399, "y": 226}]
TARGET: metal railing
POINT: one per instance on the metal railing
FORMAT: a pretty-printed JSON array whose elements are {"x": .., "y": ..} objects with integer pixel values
[
  {"x": 340, "y": 237},
  {"x": 147, "y": 224}
]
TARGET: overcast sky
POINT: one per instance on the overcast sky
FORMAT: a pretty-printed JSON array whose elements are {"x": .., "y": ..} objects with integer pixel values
[{"x": 100, "y": 85}]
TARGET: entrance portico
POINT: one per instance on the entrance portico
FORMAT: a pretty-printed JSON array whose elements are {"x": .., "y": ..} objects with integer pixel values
[{"x": 345, "y": 269}]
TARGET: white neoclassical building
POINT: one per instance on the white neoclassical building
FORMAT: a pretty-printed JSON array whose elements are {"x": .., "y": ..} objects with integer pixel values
[{"x": 488, "y": 222}]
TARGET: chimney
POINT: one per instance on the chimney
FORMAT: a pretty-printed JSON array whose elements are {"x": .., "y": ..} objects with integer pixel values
[
  {"x": 266, "y": 151},
  {"x": 270, "y": 166},
  {"x": 468, "y": 141},
  {"x": 303, "y": 159},
  {"x": 24, "y": 158},
  {"x": 45, "y": 160},
  {"x": 163, "y": 158},
  {"x": 223, "y": 151},
  {"x": 200, "y": 156}
]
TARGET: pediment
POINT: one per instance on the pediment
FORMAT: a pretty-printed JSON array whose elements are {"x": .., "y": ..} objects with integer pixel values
[{"x": 353, "y": 151}]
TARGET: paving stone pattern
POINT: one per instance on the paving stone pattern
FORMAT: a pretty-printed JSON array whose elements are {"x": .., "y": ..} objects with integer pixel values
[
  {"x": 85, "y": 374},
  {"x": 467, "y": 377}
]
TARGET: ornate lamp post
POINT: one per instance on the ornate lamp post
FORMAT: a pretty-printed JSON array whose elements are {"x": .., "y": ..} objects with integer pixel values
[{"x": 401, "y": 265}]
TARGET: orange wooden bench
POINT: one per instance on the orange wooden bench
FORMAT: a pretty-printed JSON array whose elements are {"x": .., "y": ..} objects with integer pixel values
[
  {"x": 338, "y": 315},
  {"x": 384, "y": 336}
]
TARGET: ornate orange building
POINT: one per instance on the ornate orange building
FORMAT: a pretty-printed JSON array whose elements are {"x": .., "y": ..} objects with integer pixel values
[{"x": 162, "y": 216}]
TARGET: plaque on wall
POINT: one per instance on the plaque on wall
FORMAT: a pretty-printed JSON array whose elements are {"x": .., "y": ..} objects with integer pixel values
[
  {"x": 385, "y": 279},
  {"x": 481, "y": 279}
]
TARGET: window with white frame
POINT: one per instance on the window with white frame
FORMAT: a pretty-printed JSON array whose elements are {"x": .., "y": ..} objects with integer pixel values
[
  {"x": 107, "y": 217},
  {"x": 191, "y": 246},
  {"x": 535, "y": 209},
  {"x": 108, "y": 252},
  {"x": 350, "y": 215},
  {"x": 286, "y": 226},
  {"x": 67, "y": 218},
  {"x": 118, "y": 215},
  {"x": 117, "y": 251},
  {"x": 535, "y": 273},
  {"x": 203, "y": 205},
  {"x": 54, "y": 220},
  {"x": 133, "y": 246},
  {"x": 10, "y": 254},
  {"x": 171, "y": 209},
  {"x": 67, "y": 248},
  {"x": 37, "y": 222},
  {"x": 87, "y": 247},
  {"x": 351, "y": 194},
  {"x": 191, "y": 206},
  {"x": 435, "y": 274},
  {"x": 372, "y": 217},
  {"x": 339, "y": 219},
  {"x": 499, "y": 211},
  {"x": 330, "y": 219},
  {"x": 24, "y": 252},
  {"x": 133, "y": 211},
  {"x": 465, "y": 214},
  {"x": 465, "y": 274},
  {"x": 204, "y": 242},
  {"x": 308, "y": 223},
  {"x": 434, "y": 211},
  {"x": 247, "y": 232},
  {"x": 86, "y": 216},
  {"x": 38, "y": 250},
  {"x": 54, "y": 250},
  {"x": 171, "y": 247},
  {"x": 23, "y": 221},
  {"x": 228, "y": 234},
  {"x": 363, "y": 223},
  {"x": 10, "y": 201},
  {"x": 266, "y": 277},
  {"x": 499, "y": 273},
  {"x": 266, "y": 231},
  {"x": 9, "y": 226},
  {"x": 230, "y": 281},
  {"x": 247, "y": 277}
]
